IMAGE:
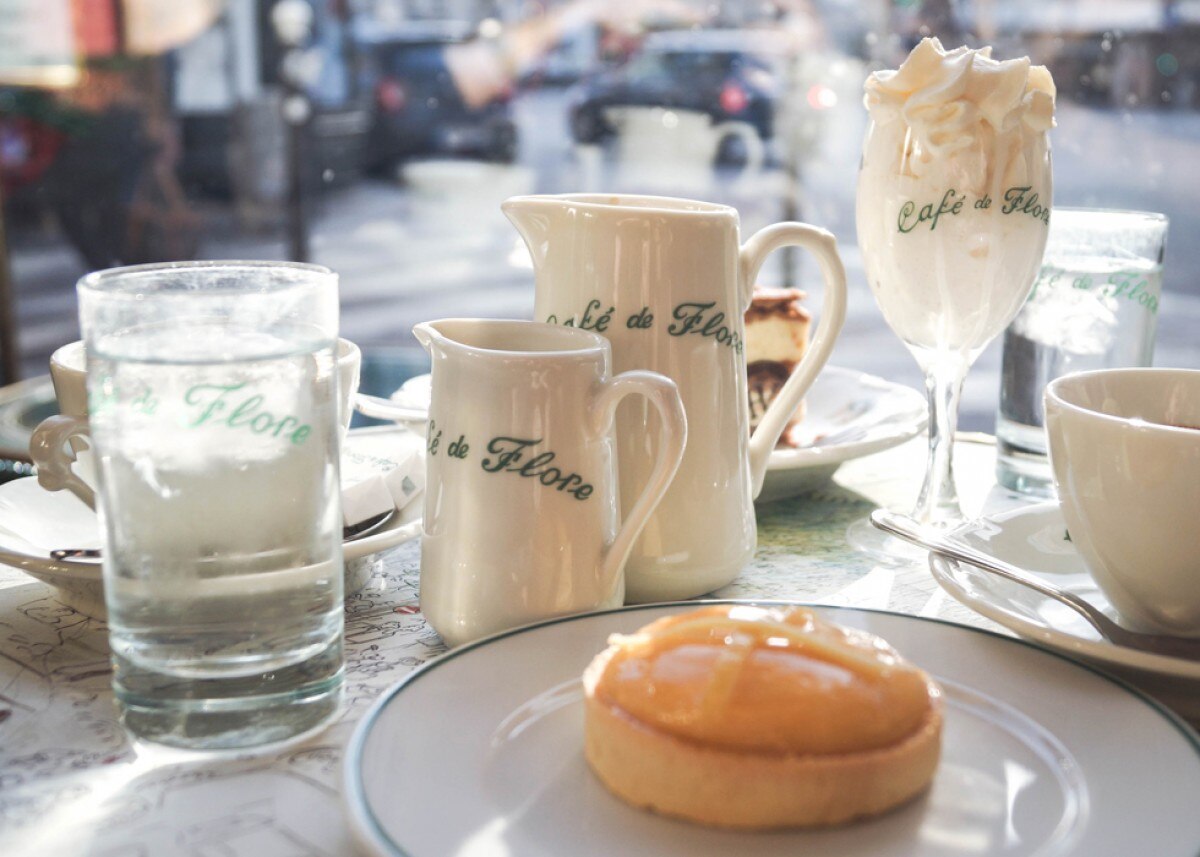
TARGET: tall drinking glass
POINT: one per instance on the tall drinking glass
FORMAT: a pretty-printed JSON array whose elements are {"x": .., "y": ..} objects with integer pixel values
[
  {"x": 1094, "y": 306},
  {"x": 213, "y": 402},
  {"x": 953, "y": 209}
]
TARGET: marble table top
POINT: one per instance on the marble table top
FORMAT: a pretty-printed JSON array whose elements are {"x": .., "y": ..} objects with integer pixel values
[{"x": 73, "y": 782}]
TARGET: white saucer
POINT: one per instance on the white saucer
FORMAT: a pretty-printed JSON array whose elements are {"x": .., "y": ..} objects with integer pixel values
[
  {"x": 1034, "y": 538},
  {"x": 34, "y": 521},
  {"x": 375, "y": 448},
  {"x": 1041, "y": 756},
  {"x": 848, "y": 414}
]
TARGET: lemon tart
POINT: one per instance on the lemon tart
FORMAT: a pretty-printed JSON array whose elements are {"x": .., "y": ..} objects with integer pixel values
[{"x": 760, "y": 717}]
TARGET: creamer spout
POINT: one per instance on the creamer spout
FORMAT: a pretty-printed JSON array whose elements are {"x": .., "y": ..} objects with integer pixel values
[{"x": 427, "y": 335}]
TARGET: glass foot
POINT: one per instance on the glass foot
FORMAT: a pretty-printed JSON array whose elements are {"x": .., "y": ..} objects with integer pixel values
[
  {"x": 224, "y": 712},
  {"x": 883, "y": 548},
  {"x": 1024, "y": 471},
  {"x": 889, "y": 550}
]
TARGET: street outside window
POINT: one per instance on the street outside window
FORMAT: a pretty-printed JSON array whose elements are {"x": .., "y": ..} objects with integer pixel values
[{"x": 379, "y": 137}]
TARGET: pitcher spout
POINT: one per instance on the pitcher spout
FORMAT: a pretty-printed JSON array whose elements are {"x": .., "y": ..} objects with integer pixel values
[
  {"x": 427, "y": 334},
  {"x": 536, "y": 219}
]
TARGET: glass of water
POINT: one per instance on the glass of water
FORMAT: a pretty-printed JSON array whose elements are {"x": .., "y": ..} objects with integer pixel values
[
  {"x": 213, "y": 403},
  {"x": 1094, "y": 306}
]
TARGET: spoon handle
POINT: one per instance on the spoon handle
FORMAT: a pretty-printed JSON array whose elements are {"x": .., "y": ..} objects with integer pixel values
[
  {"x": 386, "y": 409},
  {"x": 911, "y": 531},
  {"x": 1162, "y": 644},
  {"x": 75, "y": 553}
]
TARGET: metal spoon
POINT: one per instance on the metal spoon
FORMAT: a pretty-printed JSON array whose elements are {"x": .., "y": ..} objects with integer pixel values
[
  {"x": 386, "y": 409},
  {"x": 909, "y": 530},
  {"x": 367, "y": 527}
]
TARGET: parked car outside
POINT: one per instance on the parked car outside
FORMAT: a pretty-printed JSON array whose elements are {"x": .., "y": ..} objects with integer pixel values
[
  {"x": 732, "y": 75},
  {"x": 417, "y": 109}
]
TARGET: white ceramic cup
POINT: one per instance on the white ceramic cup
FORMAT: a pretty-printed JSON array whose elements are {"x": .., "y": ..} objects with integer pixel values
[
  {"x": 68, "y": 373},
  {"x": 58, "y": 440},
  {"x": 657, "y": 147},
  {"x": 522, "y": 510},
  {"x": 1125, "y": 450}
]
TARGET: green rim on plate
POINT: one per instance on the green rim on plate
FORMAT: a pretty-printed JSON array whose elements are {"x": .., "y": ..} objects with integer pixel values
[{"x": 362, "y": 812}]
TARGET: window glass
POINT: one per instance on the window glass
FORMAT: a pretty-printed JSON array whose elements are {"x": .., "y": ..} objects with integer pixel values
[{"x": 379, "y": 137}]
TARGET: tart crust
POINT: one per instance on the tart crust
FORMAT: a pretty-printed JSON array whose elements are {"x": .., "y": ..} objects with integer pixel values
[{"x": 654, "y": 770}]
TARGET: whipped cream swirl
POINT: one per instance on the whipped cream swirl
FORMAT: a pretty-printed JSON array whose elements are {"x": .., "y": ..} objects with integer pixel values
[{"x": 964, "y": 107}]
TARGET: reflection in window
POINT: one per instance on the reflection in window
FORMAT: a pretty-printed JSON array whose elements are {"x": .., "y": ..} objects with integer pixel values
[{"x": 417, "y": 118}]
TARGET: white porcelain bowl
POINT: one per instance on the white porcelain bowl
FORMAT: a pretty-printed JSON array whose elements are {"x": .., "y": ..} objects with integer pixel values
[{"x": 1125, "y": 449}]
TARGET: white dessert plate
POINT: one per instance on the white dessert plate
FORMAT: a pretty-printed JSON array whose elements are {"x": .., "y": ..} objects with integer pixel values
[
  {"x": 1034, "y": 538},
  {"x": 480, "y": 752},
  {"x": 848, "y": 414},
  {"x": 34, "y": 522}
]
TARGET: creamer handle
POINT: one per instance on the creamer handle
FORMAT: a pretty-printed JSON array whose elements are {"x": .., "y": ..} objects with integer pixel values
[
  {"x": 833, "y": 314},
  {"x": 672, "y": 438}
]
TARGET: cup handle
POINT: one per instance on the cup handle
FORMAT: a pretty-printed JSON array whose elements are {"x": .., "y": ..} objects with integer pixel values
[
  {"x": 821, "y": 244},
  {"x": 664, "y": 396},
  {"x": 53, "y": 456}
]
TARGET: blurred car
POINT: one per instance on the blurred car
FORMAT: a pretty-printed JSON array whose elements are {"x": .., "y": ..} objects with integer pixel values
[
  {"x": 417, "y": 109},
  {"x": 728, "y": 74}
]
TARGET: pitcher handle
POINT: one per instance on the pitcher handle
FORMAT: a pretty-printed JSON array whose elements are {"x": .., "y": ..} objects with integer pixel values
[
  {"x": 49, "y": 451},
  {"x": 821, "y": 244},
  {"x": 664, "y": 396}
]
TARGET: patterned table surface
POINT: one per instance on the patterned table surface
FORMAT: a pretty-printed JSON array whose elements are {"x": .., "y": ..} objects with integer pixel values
[{"x": 72, "y": 782}]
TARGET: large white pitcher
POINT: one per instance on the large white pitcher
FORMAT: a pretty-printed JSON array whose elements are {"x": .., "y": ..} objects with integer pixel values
[{"x": 667, "y": 281}]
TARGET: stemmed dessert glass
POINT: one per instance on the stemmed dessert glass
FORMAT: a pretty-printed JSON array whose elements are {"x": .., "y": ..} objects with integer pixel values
[{"x": 951, "y": 245}]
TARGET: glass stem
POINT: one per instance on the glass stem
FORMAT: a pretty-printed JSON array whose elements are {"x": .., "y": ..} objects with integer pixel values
[{"x": 938, "y": 502}]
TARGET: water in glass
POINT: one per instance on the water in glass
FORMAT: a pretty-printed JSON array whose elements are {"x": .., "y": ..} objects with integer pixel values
[
  {"x": 1086, "y": 312},
  {"x": 224, "y": 579}
]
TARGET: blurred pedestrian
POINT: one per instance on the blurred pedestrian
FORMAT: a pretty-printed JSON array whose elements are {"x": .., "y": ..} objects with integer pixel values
[
  {"x": 91, "y": 184},
  {"x": 483, "y": 68}
]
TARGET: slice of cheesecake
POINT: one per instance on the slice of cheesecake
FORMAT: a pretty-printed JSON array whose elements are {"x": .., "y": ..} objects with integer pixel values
[{"x": 776, "y": 337}]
